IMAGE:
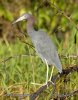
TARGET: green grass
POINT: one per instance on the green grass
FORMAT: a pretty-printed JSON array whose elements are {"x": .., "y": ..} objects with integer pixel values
[{"x": 17, "y": 74}]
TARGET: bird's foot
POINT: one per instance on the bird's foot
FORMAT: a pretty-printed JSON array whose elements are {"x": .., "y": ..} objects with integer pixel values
[
  {"x": 51, "y": 81},
  {"x": 46, "y": 83},
  {"x": 36, "y": 84}
]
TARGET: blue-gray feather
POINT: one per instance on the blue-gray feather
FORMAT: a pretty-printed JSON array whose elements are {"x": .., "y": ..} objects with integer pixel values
[{"x": 46, "y": 49}]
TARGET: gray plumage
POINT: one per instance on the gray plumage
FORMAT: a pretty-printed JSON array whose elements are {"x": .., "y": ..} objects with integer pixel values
[{"x": 44, "y": 46}]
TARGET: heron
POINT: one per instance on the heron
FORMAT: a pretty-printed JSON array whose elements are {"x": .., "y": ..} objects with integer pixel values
[{"x": 43, "y": 44}]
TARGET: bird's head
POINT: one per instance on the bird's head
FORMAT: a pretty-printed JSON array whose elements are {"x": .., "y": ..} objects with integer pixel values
[{"x": 25, "y": 16}]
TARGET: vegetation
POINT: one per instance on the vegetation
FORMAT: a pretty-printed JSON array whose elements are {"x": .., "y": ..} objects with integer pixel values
[{"x": 19, "y": 64}]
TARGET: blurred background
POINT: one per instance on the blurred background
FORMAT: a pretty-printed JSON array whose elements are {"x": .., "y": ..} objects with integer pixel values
[{"x": 60, "y": 20}]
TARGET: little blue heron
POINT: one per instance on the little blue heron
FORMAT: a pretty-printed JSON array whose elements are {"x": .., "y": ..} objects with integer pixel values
[{"x": 44, "y": 46}]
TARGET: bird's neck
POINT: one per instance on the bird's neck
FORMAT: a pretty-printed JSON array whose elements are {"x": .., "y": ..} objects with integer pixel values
[{"x": 30, "y": 27}]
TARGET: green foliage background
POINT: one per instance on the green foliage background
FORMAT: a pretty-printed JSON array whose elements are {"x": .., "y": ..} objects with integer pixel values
[{"x": 59, "y": 18}]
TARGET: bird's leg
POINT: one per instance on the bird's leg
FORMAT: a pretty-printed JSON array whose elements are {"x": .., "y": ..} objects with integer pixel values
[
  {"x": 47, "y": 71},
  {"x": 51, "y": 73},
  {"x": 46, "y": 74}
]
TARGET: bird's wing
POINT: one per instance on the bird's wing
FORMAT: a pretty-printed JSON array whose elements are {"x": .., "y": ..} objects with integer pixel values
[{"x": 47, "y": 50}]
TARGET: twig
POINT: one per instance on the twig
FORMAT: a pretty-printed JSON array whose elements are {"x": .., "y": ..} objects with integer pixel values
[
  {"x": 34, "y": 95},
  {"x": 63, "y": 96},
  {"x": 16, "y": 56},
  {"x": 25, "y": 55},
  {"x": 65, "y": 72},
  {"x": 49, "y": 3},
  {"x": 63, "y": 13},
  {"x": 69, "y": 56}
]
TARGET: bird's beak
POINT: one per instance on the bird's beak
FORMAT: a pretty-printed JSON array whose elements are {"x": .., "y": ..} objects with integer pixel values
[{"x": 23, "y": 17}]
